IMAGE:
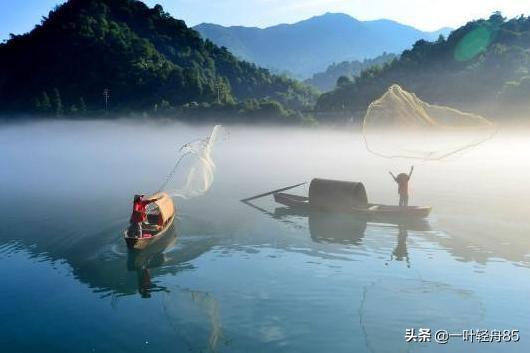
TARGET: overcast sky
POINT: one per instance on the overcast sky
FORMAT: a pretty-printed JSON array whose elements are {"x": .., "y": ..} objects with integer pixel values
[{"x": 19, "y": 16}]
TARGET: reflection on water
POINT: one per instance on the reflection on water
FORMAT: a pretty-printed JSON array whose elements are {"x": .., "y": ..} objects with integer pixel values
[
  {"x": 232, "y": 278},
  {"x": 142, "y": 262},
  {"x": 349, "y": 230},
  {"x": 207, "y": 308},
  {"x": 400, "y": 252},
  {"x": 393, "y": 302},
  {"x": 340, "y": 229}
]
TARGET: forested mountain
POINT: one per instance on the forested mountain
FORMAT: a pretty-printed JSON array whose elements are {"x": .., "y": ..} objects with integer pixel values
[
  {"x": 483, "y": 66},
  {"x": 310, "y": 46},
  {"x": 134, "y": 58},
  {"x": 327, "y": 80}
]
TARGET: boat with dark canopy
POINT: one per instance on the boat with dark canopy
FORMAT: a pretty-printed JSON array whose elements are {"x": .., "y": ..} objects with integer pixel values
[{"x": 347, "y": 197}]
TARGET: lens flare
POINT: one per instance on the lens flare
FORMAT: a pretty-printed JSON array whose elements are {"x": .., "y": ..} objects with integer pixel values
[{"x": 473, "y": 43}]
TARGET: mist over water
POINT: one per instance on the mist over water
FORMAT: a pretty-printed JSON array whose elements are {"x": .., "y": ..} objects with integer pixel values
[{"x": 236, "y": 279}]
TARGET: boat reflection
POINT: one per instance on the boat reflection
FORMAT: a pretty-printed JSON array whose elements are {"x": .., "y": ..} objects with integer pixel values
[
  {"x": 348, "y": 230},
  {"x": 205, "y": 308},
  {"x": 339, "y": 229},
  {"x": 466, "y": 238},
  {"x": 101, "y": 260},
  {"x": 142, "y": 262}
]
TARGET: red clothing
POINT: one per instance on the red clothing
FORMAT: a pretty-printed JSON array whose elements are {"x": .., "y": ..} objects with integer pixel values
[
  {"x": 138, "y": 214},
  {"x": 403, "y": 184}
]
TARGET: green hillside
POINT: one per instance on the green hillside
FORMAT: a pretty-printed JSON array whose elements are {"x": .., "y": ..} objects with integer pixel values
[
  {"x": 483, "y": 66},
  {"x": 141, "y": 56},
  {"x": 327, "y": 80}
]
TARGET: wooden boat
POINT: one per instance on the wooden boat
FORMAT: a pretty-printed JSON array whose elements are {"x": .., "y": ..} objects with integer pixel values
[
  {"x": 347, "y": 197},
  {"x": 154, "y": 254},
  {"x": 371, "y": 209},
  {"x": 160, "y": 217},
  {"x": 285, "y": 213}
]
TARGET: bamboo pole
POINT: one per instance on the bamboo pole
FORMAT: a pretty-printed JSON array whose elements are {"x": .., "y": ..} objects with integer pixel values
[{"x": 272, "y": 192}]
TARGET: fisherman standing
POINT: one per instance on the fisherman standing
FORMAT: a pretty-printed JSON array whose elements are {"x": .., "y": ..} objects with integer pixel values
[{"x": 403, "y": 186}]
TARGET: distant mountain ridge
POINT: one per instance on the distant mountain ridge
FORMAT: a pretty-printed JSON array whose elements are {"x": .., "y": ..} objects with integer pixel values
[
  {"x": 311, "y": 45},
  {"x": 327, "y": 80},
  {"x": 482, "y": 67}
]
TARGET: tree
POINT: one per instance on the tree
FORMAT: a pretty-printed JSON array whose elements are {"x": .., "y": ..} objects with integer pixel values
[
  {"x": 223, "y": 91},
  {"x": 164, "y": 105},
  {"x": 82, "y": 106},
  {"x": 57, "y": 103},
  {"x": 343, "y": 81},
  {"x": 497, "y": 18},
  {"x": 37, "y": 104},
  {"x": 45, "y": 103}
]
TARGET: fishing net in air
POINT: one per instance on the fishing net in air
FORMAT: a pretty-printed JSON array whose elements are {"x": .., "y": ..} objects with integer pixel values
[
  {"x": 196, "y": 159},
  {"x": 400, "y": 125}
]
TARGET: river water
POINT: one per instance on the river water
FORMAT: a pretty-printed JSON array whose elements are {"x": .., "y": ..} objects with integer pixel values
[{"x": 233, "y": 278}]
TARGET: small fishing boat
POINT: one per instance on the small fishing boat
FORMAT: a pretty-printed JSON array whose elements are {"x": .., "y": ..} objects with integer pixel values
[
  {"x": 347, "y": 197},
  {"x": 371, "y": 209},
  {"x": 160, "y": 217}
]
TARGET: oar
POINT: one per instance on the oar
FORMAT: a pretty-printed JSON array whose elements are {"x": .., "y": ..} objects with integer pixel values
[
  {"x": 271, "y": 192},
  {"x": 248, "y": 203}
]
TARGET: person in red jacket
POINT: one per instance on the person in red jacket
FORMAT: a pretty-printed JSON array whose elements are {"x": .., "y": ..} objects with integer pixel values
[
  {"x": 403, "y": 186},
  {"x": 139, "y": 216}
]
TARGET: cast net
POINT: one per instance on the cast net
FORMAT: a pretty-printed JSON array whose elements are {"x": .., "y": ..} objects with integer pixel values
[
  {"x": 196, "y": 159},
  {"x": 400, "y": 125}
]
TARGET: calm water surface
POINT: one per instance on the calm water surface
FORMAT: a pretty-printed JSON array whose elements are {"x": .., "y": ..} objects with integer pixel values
[{"x": 232, "y": 278}]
